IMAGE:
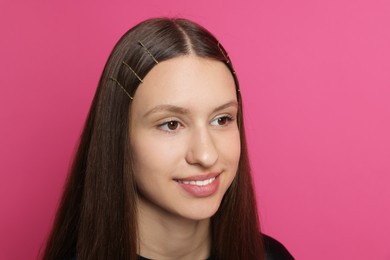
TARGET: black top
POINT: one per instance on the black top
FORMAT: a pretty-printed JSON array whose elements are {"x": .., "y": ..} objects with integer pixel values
[{"x": 274, "y": 250}]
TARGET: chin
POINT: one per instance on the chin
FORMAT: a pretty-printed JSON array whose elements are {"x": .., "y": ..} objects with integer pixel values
[{"x": 201, "y": 211}]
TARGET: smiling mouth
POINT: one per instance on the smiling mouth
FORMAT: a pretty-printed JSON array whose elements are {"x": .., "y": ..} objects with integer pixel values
[{"x": 198, "y": 183}]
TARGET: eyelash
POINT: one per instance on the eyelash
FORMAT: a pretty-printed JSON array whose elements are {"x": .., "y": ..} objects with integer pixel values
[
  {"x": 165, "y": 126},
  {"x": 228, "y": 119}
]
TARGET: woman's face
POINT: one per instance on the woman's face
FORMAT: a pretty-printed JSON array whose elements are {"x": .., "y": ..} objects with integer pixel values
[{"x": 184, "y": 137}]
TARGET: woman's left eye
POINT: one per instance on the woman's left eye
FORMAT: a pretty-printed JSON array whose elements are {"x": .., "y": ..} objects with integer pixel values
[{"x": 222, "y": 120}]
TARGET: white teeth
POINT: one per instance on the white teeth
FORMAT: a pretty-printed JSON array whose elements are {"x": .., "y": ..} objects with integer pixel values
[{"x": 198, "y": 183}]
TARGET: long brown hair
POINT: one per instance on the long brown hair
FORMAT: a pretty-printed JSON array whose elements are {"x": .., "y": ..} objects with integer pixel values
[{"x": 96, "y": 218}]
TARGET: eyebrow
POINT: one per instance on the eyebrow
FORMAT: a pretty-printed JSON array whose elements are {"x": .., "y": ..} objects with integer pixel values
[
  {"x": 183, "y": 111},
  {"x": 232, "y": 103}
]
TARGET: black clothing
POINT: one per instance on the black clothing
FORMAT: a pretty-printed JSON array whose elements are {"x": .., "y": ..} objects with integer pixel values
[{"x": 274, "y": 250}]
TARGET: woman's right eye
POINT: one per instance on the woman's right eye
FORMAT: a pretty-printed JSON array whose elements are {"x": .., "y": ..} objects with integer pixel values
[{"x": 170, "y": 126}]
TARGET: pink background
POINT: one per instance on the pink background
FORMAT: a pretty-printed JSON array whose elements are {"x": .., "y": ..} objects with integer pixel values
[{"x": 315, "y": 77}]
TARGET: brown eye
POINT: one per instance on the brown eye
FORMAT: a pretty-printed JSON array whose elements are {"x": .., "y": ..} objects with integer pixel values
[
  {"x": 173, "y": 125},
  {"x": 222, "y": 121},
  {"x": 170, "y": 126}
]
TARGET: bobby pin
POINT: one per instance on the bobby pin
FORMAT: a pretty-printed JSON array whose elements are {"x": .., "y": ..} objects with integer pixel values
[
  {"x": 225, "y": 55},
  {"x": 138, "y": 77},
  {"x": 148, "y": 52},
  {"x": 227, "y": 59},
  {"x": 120, "y": 85}
]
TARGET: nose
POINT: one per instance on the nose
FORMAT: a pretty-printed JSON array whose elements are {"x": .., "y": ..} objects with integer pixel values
[{"x": 202, "y": 150}]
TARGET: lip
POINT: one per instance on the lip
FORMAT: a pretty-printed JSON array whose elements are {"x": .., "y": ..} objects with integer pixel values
[{"x": 200, "y": 191}]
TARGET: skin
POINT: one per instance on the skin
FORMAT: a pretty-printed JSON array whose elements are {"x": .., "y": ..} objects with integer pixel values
[{"x": 183, "y": 124}]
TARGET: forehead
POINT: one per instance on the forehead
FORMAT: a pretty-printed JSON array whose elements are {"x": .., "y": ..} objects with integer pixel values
[{"x": 186, "y": 81}]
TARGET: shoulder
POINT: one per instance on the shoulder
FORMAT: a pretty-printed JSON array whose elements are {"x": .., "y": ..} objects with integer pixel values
[{"x": 275, "y": 250}]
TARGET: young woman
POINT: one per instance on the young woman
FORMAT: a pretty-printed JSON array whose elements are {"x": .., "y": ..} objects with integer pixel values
[{"x": 162, "y": 169}]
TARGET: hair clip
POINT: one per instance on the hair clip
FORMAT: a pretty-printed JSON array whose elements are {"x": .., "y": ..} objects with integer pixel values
[
  {"x": 148, "y": 52},
  {"x": 120, "y": 85},
  {"x": 138, "y": 77},
  {"x": 227, "y": 59},
  {"x": 225, "y": 55}
]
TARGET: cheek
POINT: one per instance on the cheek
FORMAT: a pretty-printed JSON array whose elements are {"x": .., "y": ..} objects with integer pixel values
[
  {"x": 237, "y": 147},
  {"x": 230, "y": 149},
  {"x": 154, "y": 156},
  {"x": 146, "y": 165}
]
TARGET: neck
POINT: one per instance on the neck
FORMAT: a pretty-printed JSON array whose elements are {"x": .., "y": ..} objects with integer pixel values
[{"x": 163, "y": 235}]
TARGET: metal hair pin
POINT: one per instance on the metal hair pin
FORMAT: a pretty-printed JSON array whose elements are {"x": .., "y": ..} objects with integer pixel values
[
  {"x": 148, "y": 52},
  {"x": 138, "y": 77},
  {"x": 227, "y": 60},
  {"x": 120, "y": 85},
  {"x": 224, "y": 53},
  {"x": 133, "y": 71}
]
